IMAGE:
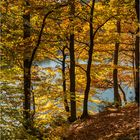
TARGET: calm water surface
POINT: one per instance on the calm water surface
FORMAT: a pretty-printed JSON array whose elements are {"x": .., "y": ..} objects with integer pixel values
[{"x": 106, "y": 95}]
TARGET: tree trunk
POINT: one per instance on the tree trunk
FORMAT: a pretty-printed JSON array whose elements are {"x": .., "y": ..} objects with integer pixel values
[
  {"x": 88, "y": 71},
  {"x": 137, "y": 70},
  {"x": 133, "y": 64},
  {"x": 117, "y": 98},
  {"x": 27, "y": 68},
  {"x": 124, "y": 96},
  {"x": 137, "y": 10},
  {"x": 137, "y": 52},
  {"x": 64, "y": 81},
  {"x": 72, "y": 64}
]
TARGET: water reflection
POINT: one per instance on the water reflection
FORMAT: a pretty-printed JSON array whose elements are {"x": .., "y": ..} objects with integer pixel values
[{"x": 106, "y": 95}]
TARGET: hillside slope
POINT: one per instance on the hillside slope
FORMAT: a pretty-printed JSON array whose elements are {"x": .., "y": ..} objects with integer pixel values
[{"x": 111, "y": 124}]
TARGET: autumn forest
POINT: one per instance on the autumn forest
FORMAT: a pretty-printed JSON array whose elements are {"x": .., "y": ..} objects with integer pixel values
[{"x": 69, "y": 69}]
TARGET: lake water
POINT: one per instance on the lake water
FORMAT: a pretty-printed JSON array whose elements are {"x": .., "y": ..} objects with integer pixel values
[{"x": 106, "y": 95}]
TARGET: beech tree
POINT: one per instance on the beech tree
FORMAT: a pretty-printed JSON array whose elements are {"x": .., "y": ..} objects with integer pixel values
[
  {"x": 93, "y": 33},
  {"x": 72, "y": 63},
  {"x": 117, "y": 99},
  {"x": 27, "y": 66},
  {"x": 90, "y": 53}
]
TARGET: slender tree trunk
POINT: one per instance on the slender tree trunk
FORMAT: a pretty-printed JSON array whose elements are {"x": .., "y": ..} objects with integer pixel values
[
  {"x": 133, "y": 63},
  {"x": 124, "y": 96},
  {"x": 64, "y": 81},
  {"x": 88, "y": 71},
  {"x": 72, "y": 63},
  {"x": 33, "y": 104},
  {"x": 27, "y": 68},
  {"x": 137, "y": 5},
  {"x": 117, "y": 98},
  {"x": 137, "y": 82},
  {"x": 137, "y": 52}
]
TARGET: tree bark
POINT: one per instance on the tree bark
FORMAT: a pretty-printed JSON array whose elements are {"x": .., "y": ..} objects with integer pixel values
[
  {"x": 88, "y": 71},
  {"x": 117, "y": 98},
  {"x": 64, "y": 81},
  {"x": 72, "y": 63},
  {"x": 124, "y": 96},
  {"x": 27, "y": 68},
  {"x": 137, "y": 70},
  {"x": 137, "y": 5},
  {"x": 137, "y": 52}
]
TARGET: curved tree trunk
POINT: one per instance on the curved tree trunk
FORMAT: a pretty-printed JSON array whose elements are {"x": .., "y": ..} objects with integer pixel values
[
  {"x": 88, "y": 71},
  {"x": 124, "y": 96}
]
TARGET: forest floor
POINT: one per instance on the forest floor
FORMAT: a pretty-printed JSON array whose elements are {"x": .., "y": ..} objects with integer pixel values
[{"x": 111, "y": 124}]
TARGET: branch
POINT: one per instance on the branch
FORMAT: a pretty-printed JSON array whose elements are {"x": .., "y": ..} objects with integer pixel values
[
  {"x": 86, "y": 3},
  {"x": 82, "y": 42},
  {"x": 102, "y": 25},
  {"x": 39, "y": 38},
  {"x": 58, "y": 61},
  {"x": 41, "y": 31},
  {"x": 81, "y": 67}
]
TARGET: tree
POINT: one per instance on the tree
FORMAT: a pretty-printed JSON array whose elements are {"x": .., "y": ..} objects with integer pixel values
[
  {"x": 72, "y": 63},
  {"x": 117, "y": 99},
  {"x": 137, "y": 52},
  {"x": 27, "y": 67},
  {"x": 90, "y": 53},
  {"x": 29, "y": 56},
  {"x": 64, "y": 79},
  {"x": 92, "y": 35}
]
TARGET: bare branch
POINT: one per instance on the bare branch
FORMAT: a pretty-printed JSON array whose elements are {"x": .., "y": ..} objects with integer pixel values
[
  {"x": 81, "y": 67},
  {"x": 41, "y": 31},
  {"x": 82, "y": 42},
  {"x": 102, "y": 25},
  {"x": 86, "y": 3}
]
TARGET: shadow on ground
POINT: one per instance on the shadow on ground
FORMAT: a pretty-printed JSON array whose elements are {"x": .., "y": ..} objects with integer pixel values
[{"x": 120, "y": 124}]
